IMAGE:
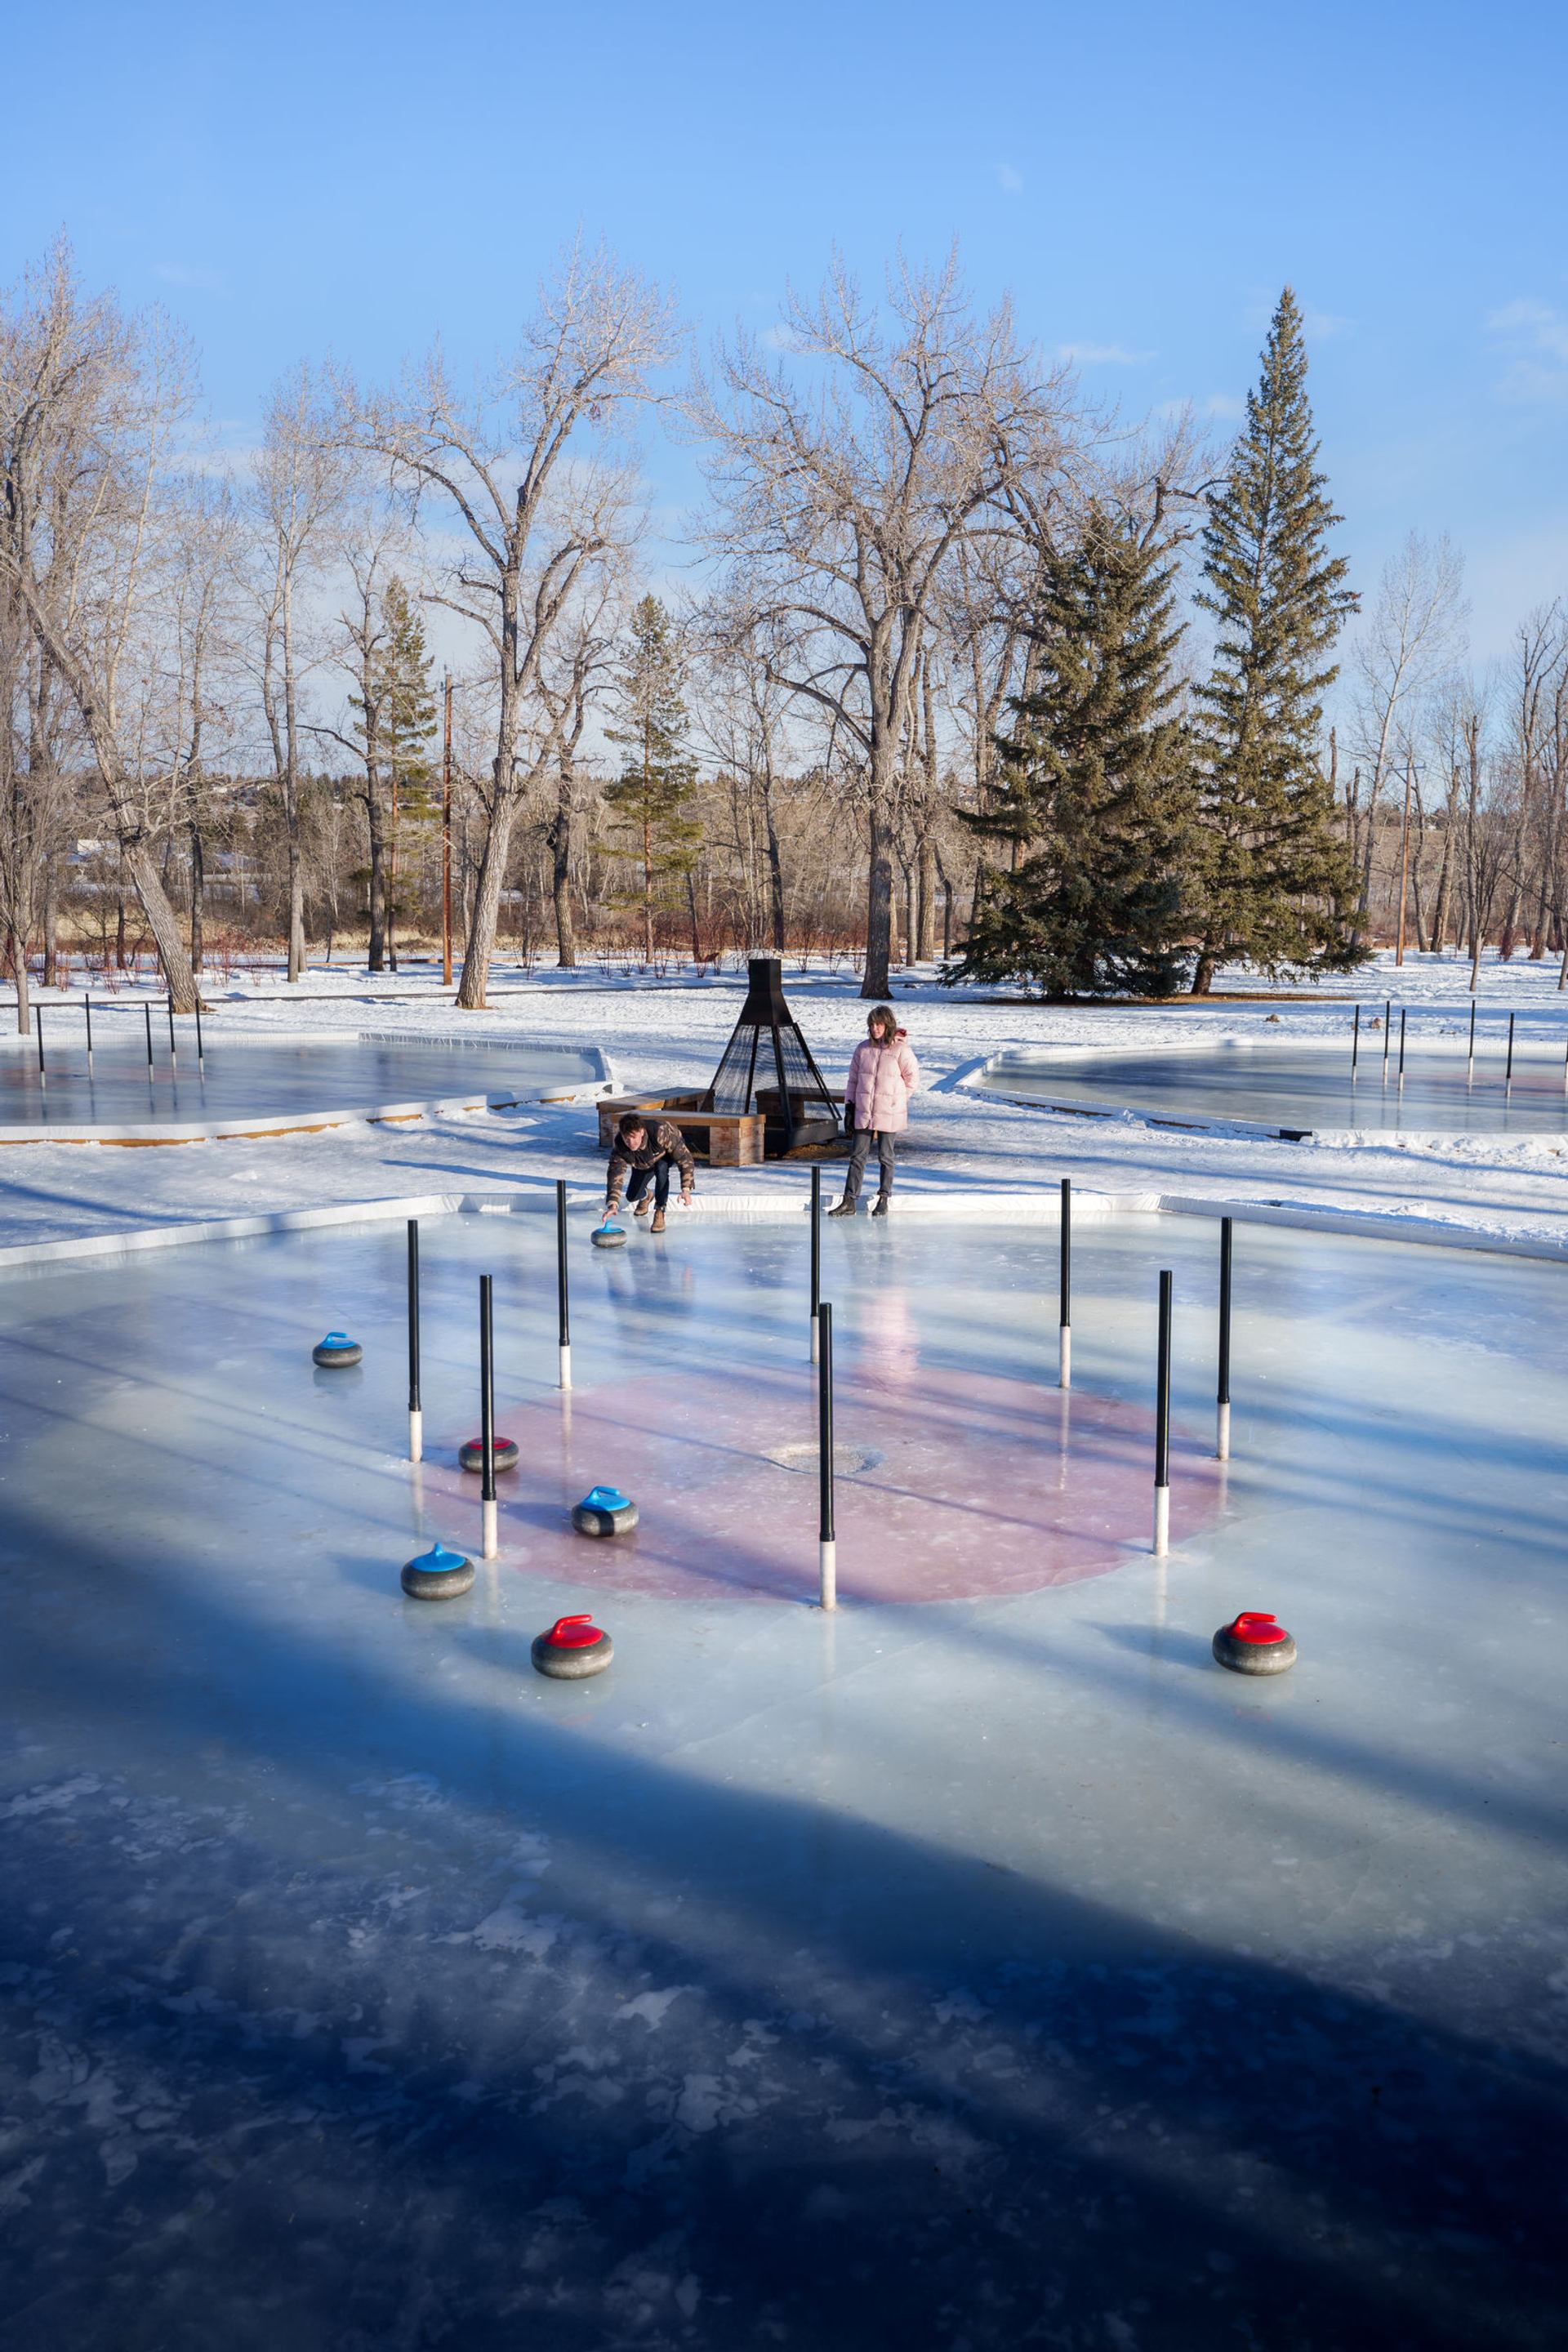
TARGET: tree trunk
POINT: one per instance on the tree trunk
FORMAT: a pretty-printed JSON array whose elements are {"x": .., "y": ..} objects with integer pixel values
[
  {"x": 376, "y": 957},
  {"x": 691, "y": 903},
  {"x": 119, "y": 920},
  {"x": 776, "y": 866},
  {"x": 925, "y": 946},
  {"x": 17, "y": 949},
  {"x": 1203, "y": 973},
  {"x": 879, "y": 901},
  {"x": 164, "y": 926},
  {"x": 488, "y": 886},
  {"x": 51, "y": 928},
  {"x": 198, "y": 897},
  {"x": 560, "y": 841}
]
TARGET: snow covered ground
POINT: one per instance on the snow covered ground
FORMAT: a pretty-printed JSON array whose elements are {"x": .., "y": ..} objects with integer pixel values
[{"x": 668, "y": 1034}]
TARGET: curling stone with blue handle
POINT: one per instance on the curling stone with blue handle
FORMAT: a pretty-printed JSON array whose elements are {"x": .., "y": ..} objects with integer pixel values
[
  {"x": 471, "y": 1453},
  {"x": 437, "y": 1575},
  {"x": 337, "y": 1347},
  {"x": 608, "y": 1236},
  {"x": 604, "y": 1511},
  {"x": 1255, "y": 1643},
  {"x": 573, "y": 1649}
]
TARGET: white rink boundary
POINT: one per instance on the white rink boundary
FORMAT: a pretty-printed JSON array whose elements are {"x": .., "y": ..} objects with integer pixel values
[{"x": 739, "y": 1208}]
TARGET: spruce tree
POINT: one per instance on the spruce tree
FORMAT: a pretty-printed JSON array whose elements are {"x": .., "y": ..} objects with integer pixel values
[
  {"x": 1099, "y": 790},
  {"x": 1275, "y": 877},
  {"x": 651, "y": 795},
  {"x": 396, "y": 719}
]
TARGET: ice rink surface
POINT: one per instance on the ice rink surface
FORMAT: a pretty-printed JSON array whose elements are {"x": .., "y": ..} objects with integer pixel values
[
  {"x": 975, "y": 1971},
  {"x": 252, "y": 1077},
  {"x": 1310, "y": 1084}
]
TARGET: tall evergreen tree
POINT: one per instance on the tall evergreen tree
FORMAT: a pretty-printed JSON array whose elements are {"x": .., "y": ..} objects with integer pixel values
[
  {"x": 1098, "y": 794},
  {"x": 1276, "y": 883},
  {"x": 396, "y": 719},
  {"x": 651, "y": 795}
]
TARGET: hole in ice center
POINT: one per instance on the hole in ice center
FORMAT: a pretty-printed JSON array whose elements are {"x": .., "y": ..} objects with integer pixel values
[{"x": 847, "y": 1459}]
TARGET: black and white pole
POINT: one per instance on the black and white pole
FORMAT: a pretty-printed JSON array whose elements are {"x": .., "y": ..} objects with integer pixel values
[
  {"x": 38, "y": 1021},
  {"x": 87, "y": 1008},
  {"x": 1401, "y": 1011},
  {"x": 816, "y": 1257},
  {"x": 1470, "y": 1065},
  {"x": 173, "y": 1055},
  {"x": 201, "y": 1049},
  {"x": 1387, "y": 1025},
  {"x": 562, "y": 1299},
  {"x": 1064, "y": 1312},
  {"x": 1508, "y": 1073},
  {"x": 1163, "y": 1425},
  {"x": 1355, "y": 1044},
  {"x": 415, "y": 1414},
  {"x": 826, "y": 1549},
  {"x": 486, "y": 1420},
  {"x": 1222, "y": 1409},
  {"x": 147, "y": 1012}
]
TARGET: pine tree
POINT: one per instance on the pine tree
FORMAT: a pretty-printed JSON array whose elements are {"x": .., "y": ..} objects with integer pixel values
[
  {"x": 1099, "y": 794},
  {"x": 654, "y": 789},
  {"x": 395, "y": 718},
  {"x": 1276, "y": 883}
]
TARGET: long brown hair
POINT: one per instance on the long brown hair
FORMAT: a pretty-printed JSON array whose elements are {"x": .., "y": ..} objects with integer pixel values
[{"x": 882, "y": 1012}]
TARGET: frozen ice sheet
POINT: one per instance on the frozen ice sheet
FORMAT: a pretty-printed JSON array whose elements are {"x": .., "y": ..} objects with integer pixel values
[
  {"x": 246, "y": 1079},
  {"x": 1308, "y": 1086},
  {"x": 988, "y": 1970}
]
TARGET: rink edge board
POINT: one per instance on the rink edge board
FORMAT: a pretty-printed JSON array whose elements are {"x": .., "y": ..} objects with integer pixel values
[
  {"x": 285, "y": 1123},
  {"x": 991, "y": 1208}
]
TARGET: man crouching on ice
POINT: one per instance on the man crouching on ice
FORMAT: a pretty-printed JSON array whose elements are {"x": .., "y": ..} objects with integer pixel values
[{"x": 639, "y": 1154}]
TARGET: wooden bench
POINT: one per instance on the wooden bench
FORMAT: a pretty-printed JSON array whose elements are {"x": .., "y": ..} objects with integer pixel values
[{"x": 725, "y": 1138}]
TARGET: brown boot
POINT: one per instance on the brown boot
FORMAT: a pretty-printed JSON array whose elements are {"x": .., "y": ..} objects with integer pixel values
[{"x": 659, "y": 1221}]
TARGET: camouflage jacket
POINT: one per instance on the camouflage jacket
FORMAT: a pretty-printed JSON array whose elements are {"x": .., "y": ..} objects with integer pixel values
[{"x": 660, "y": 1138}]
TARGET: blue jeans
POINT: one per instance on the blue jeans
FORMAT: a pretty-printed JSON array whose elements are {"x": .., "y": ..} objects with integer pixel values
[{"x": 658, "y": 1176}]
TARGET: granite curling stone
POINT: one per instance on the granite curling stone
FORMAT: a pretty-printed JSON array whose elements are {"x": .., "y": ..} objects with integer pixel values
[
  {"x": 437, "y": 1575},
  {"x": 573, "y": 1649},
  {"x": 604, "y": 1511},
  {"x": 607, "y": 1236},
  {"x": 471, "y": 1453},
  {"x": 1255, "y": 1643},
  {"x": 336, "y": 1348}
]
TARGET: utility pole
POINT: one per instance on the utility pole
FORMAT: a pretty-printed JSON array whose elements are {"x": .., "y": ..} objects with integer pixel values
[
  {"x": 1403, "y": 865},
  {"x": 447, "y": 845}
]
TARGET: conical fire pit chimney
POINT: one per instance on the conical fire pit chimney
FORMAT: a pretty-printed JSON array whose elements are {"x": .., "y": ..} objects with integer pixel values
[{"x": 767, "y": 1066}]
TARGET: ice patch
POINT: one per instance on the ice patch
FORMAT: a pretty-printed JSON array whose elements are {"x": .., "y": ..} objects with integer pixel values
[{"x": 654, "y": 2007}]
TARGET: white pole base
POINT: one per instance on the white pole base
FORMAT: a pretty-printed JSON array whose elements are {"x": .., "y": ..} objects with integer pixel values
[
  {"x": 1161, "y": 1521},
  {"x": 827, "y": 1576},
  {"x": 1222, "y": 1433},
  {"x": 565, "y": 1353},
  {"x": 416, "y": 1434},
  {"x": 490, "y": 1546},
  {"x": 1064, "y": 1356},
  {"x": 814, "y": 1321}
]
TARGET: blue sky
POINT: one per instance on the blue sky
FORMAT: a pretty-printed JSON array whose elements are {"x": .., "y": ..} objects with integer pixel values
[{"x": 292, "y": 179}]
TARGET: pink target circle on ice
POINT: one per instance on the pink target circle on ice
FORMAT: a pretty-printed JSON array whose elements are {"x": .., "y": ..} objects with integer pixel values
[{"x": 974, "y": 1484}]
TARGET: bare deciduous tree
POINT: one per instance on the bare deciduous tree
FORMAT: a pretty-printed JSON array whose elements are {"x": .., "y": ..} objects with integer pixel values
[
  {"x": 843, "y": 486},
  {"x": 536, "y": 523}
]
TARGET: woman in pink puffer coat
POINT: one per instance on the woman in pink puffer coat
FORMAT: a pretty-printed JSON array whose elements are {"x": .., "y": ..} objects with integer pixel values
[{"x": 883, "y": 1074}]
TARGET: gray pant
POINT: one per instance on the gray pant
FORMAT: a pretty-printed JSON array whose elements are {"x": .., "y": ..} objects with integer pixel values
[{"x": 860, "y": 1151}]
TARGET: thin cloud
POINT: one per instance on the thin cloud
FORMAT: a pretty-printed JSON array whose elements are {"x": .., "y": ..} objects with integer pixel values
[
  {"x": 1102, "y": 356},
  {"x": 181, "y": 273},
  {"x": 1536, "y": 334},
  {"x": 1009, "y": 176}
]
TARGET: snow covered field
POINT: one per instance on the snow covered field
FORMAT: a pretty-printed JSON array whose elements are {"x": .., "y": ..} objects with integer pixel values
[{"x": 669, "y": 1034}]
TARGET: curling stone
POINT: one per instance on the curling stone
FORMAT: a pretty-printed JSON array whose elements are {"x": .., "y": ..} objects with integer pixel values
[
  {"x": 1255, "y": 1645},
  {"x": 573, "y": 1649},
  {"x": 604, "y": 1511},
  {"x": 471, "y": 1453},
  {"x": 337, "y": 1347},
  {"x": 437, "y": 1575},
  {"x": 608, "y": 1236}
]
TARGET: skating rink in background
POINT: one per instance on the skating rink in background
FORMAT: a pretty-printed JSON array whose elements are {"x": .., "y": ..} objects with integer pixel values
[
  {"x": 981, "y": 1966},
  {"x": 253, "y": 1077},
  {"x": 1307, "y": 1084}
]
